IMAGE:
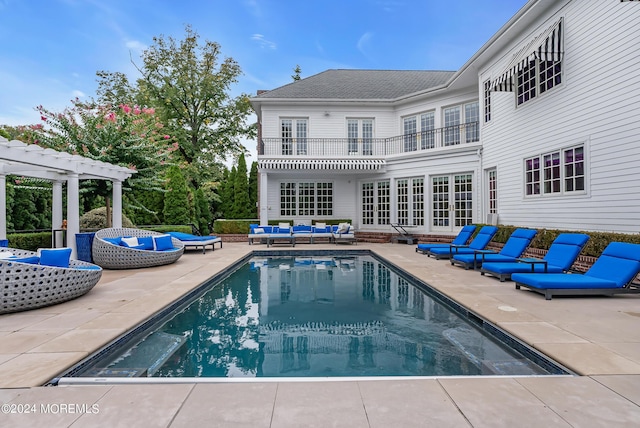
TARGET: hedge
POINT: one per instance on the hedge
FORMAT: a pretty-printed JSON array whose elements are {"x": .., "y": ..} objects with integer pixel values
[{"x": 544, "y": 238}]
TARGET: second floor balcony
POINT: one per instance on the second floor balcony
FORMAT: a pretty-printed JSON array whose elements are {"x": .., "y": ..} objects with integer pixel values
[{"x": 370, "y": 147}]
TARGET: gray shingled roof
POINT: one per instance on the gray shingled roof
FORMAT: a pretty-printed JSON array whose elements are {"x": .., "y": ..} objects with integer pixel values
[{"x": 360, "y": 84}]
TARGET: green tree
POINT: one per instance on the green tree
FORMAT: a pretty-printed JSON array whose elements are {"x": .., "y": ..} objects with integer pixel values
[
  {"x": 189, "y": 85},
  {"x": 176, "y": 200},
  {"x": 128, "y": 136},
  {"x": 253, "y": 190},
  {"x": 204, "y": 212},
  {"x": 296, "y": 73},
  {"x": 241, "y": 203}
]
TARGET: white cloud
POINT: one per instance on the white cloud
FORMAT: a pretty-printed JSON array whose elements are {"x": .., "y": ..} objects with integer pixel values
[
  {"x": 264, "y": 43},
  {"x": 77, "y": 94},
  {"x": 135, "y": 45}
]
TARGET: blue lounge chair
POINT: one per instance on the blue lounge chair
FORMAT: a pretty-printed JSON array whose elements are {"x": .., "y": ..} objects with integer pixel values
[
  {"x": 611, "y": 274},
  {"x": 197, "y": 241},
  {"x": 564, "y": 250},
  {"x": 484, "y": 236},
  {"x": 462, "y": 238},
  {"x": 513, "y": 248}
]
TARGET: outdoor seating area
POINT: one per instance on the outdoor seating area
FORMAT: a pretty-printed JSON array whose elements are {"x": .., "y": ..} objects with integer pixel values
[
  {"x": 614, "y": 272},
  {"x": 285, "y": 233},
  {"x": 33, "y": 280},
  {"x": 127, "y": 248}
]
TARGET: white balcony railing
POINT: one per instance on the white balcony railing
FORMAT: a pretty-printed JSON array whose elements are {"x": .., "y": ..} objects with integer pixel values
[{"x": 375, "y": 147}]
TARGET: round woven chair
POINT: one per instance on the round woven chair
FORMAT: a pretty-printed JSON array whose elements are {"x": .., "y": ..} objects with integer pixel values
[
  {"x": 29, "y": 286},
  {"x": 113, "y": 256}
]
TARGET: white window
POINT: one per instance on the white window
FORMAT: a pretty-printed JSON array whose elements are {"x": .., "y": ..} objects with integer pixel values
[
  {"x": 487, "y": 101},
  {"x": 454, "y": 116},
  {"x": 492, "y": 181},
  {"x": 537, "y": 77},
  {"x": 427, "y": 130},
  {"x": 561, "y": 171},
  {"x": 360, "y": 136},
  {"x": 410, "y": 201},
  {"x": 409, "y": 132},
  {"x": 294, "y": 136},
  {"x": 306, "y": 199}
]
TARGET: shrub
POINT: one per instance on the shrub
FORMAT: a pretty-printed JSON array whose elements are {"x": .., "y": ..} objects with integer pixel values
[
  {"x": 97, "y": 219},
  {"x": 30, "y": 241}
]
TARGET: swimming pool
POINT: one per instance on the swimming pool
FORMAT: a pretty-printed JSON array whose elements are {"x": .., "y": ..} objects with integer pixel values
[{"x": 338, "y": 314}]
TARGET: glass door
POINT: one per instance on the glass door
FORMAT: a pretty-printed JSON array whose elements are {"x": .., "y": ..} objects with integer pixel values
[{"x": 451, "y": 201}]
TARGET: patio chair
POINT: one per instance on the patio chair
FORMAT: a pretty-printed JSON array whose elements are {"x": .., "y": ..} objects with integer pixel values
[
  {"x": 512, "y": 249},
  {"x": 114, "y": 248},
  {"x": 462, "y": 238},
  {"x": 33, "y": 281},
  {"x": 196, "y": 241},
  {"x": 343, "y": 233},
  {"x": 562, "y": 253},
  {"x": 481, "y": 240},
  {"x": 611, "y": 274}
]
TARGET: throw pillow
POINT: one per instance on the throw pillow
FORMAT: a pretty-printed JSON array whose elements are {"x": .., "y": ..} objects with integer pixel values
[
  {"x": 162, "y": 242},
  {"x": 130, "y": 241},
  {"x": 146, "y": 242},
  {"x": 58, "y": 257}
]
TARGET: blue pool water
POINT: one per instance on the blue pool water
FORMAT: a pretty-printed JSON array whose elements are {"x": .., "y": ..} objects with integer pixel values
[{"x": 315, "y": 316}]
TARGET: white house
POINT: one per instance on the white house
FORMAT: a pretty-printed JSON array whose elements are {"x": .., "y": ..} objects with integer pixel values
[{"x": 540, "y": 128}]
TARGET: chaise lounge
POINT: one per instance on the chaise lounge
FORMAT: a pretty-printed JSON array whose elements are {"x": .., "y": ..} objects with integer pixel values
[
  {"x": 33, "y": 280},
  {"x": 512, "y": 249},
  {"x": 611, "y": 274},
  {"x": 562, "y": 253},
  {"x": 196, "y": 241},
  {"x": 463, "y": 237},
  {"x": 116, "y": 248},
  {"x": 481, "y": 240}
]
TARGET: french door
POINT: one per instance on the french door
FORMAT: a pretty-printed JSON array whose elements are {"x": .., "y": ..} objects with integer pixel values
[
  {"x": 376, "y": 203},
  {"x": 451, "y": 201}
]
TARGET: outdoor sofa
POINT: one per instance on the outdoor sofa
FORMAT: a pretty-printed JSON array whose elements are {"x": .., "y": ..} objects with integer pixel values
[
  {"x": 115, "y": 248},
  {"x": 269, "y": 234},
  {"x": 33, "y": 280}
]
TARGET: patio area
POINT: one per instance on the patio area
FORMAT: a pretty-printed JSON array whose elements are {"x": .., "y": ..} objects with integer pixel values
[{"x": 596, "y": 337}]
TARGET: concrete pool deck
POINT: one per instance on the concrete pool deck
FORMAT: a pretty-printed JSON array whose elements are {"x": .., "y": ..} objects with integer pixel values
[{"x": 596, "y": 337}]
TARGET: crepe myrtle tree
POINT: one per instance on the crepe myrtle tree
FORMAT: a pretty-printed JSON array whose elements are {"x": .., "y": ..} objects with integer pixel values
[{"x": 129, "y": 136}]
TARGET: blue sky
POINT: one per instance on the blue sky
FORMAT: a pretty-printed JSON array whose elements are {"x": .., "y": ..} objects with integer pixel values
[{"x": 50, "y": 50}]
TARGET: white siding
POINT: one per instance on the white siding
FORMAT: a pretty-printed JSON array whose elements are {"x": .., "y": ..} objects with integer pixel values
[{"x": 596, "y": 105}]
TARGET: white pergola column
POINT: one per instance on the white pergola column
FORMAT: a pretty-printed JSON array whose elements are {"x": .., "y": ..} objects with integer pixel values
[
  {"x": 73, "y": 212},
  {"x": 116, "y": 212},
  {"x": 264, "y": 204},
  {"x": 3, "y": 206},
  {"x": 56, "y": 212}
]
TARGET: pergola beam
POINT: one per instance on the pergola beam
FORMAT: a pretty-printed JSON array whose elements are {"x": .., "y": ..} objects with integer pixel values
[{"x": 30, "y": 160}]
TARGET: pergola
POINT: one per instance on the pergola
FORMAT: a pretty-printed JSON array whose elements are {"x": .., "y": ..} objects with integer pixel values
[{"x": 31, "y": 160}]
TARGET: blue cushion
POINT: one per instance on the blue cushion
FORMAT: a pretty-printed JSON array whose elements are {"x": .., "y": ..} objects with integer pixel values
[
  {"x": 34, "y": 260},
  {"x": 507, "y": 267},
  {"x": 58, "y": 257},
  {"x": 561, "y": 281},
  {"x": 89, "y": 267},
  {"x": 162, "y": 242},
  {"x": 146, "y": 242},
  {"x": 114, "y": 241}
]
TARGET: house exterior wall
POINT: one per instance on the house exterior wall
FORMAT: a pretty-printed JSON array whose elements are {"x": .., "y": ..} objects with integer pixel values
[{"x": 595, "y": 106}]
